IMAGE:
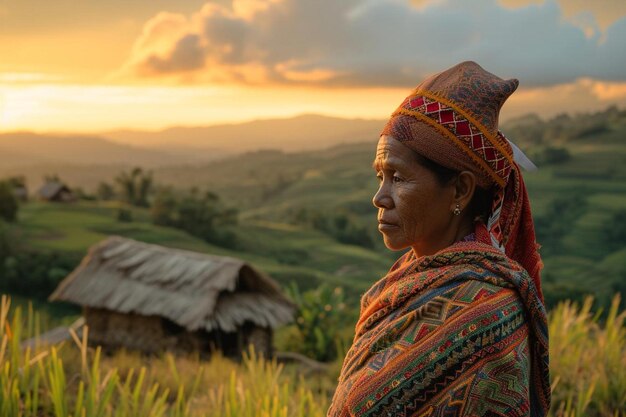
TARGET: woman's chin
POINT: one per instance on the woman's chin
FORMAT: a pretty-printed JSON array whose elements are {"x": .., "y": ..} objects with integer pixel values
[{"x": 394, "y": 245}]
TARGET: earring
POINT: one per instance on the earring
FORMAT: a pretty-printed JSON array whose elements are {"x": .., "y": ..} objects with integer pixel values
[{"x": 457, "y": 210}]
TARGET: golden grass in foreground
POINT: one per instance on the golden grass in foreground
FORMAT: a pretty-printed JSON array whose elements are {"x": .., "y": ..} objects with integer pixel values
[
  {"x": 588, "y": 364},
  {"x": 587, "y": 361}
]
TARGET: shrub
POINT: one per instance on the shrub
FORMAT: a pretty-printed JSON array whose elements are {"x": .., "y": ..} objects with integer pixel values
[
  {"x": 5, "y": 243},
  {"x": 124, "y": 215},
  {"x": 201, "y": 215},
  {"x": 164, "y": 208},
  {"x": 319, "y": 322},
  {"x": 8, "y": 202},
  {"x": 33, "y": 273}
]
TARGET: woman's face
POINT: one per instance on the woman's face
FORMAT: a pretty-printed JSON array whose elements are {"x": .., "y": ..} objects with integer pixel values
[{"x": 414, "y": 209}]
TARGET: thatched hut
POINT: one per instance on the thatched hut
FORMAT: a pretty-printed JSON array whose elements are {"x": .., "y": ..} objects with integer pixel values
[
  {"x": 56, "y": 191},
  {"x": 151, "y": 298}
]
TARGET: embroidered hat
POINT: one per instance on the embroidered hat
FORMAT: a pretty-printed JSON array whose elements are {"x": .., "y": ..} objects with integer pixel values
[{"x": 451, "y": 118}]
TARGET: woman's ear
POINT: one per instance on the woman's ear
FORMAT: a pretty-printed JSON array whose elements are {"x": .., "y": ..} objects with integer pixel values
[{"x": 465, "y": 185}]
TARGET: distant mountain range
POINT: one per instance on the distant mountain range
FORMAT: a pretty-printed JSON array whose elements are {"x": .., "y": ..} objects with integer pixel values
[
  {"x": 300, "y": 133},
  {"x": 24, "y": 149},
  {"x": 183, "y": 145}
]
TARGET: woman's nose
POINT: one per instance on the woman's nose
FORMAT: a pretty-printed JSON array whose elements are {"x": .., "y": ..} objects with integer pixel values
[{"x": 382, "y": 199}]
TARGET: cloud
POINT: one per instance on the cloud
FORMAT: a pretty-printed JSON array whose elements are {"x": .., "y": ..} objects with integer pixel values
[
  {"x": 586, "y": 13},
  {"x": 582, "y": 96},
  {"x": 386, "y": 43},
  {"x": 187, "y": 55}
]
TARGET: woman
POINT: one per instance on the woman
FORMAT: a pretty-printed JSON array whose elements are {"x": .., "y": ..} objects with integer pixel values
[{"x": 457, "y": 327}]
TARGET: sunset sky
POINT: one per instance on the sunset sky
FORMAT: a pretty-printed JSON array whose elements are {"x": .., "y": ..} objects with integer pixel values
[{"x": 94, "y": 65}]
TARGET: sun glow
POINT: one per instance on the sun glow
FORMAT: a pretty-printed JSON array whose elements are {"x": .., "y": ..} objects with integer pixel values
[
  {"x": 73, "y": 108},
  {"x": 84, "y": 108}
]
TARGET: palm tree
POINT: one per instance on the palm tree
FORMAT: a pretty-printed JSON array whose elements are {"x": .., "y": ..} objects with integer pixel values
[{"x": 136, "y": 186}]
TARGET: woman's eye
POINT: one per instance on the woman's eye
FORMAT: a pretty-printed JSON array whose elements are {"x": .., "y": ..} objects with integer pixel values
[
  {"x": 379, "y": 176},
  {"x": 397, "y": 179}
]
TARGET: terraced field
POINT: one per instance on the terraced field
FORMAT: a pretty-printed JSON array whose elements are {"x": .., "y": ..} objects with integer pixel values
[{"x": 579, "y": 198}]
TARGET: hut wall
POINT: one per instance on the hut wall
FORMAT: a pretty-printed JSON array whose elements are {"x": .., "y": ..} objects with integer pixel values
[
  {"x": 132, "y": 331},
  {"x": 153, "y": 334},
  {"x": 177, "y": 339},
  {"x": 259, "y": 337},
  {"x": 65, "y": 197}
]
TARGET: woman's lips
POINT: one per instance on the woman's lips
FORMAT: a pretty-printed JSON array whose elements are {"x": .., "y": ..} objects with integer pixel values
[{"x": 383, "y": 225}]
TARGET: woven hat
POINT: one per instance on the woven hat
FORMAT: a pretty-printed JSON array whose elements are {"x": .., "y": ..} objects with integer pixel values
[{"x": 451, "y": 118}]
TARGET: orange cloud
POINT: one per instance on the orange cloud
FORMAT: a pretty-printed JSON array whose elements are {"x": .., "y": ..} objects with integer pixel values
[
  {"x": 608, "y": 91},
  {"x": 154, "y": 41},
  {"x": 211, "y": 47}
]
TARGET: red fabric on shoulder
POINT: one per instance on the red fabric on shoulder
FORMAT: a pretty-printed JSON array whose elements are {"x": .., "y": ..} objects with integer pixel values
[{"x": 518, "y": 228}]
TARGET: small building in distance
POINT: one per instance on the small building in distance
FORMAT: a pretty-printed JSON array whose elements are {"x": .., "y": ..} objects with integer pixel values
[
  {"x": 151, "y": 298},
  {"x": 56, "y": 191}
]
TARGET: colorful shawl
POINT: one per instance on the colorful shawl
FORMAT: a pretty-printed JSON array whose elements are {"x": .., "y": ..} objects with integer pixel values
[{"x": 458, "y": 333}]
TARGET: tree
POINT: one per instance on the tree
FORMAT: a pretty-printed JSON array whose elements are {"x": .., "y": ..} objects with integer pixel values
[
  {"x": 83, "y": 195},
  {"x": 52, "y": 178},
  {"x": 8, "y": 202},
  {"x": 18, "y": 184},
  {"x": 136, "y": 186},
  {"x": 200, "y": 215},
  {"x": 105, "y": 191},
  {"x": 17, "y": 181},
  {"x": 164, "y": 208}
]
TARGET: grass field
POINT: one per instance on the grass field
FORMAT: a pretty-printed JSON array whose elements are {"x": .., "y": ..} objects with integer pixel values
[{"x": 588, "y": 374}]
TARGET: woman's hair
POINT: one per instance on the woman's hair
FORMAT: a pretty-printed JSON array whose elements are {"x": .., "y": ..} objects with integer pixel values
[{"x": 480, "y": 206}]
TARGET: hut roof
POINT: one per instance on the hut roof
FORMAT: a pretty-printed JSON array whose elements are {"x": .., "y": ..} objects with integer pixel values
[
  {"x": 194, "y": 290},
  {"x": 51, "y": 189}
]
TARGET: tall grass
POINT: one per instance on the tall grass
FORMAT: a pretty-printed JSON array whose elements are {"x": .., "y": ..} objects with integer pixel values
[
  {"x": 73, "y": 380},
  {"x": 588, "y": 360},
  {"x": 588, "y": 365}
]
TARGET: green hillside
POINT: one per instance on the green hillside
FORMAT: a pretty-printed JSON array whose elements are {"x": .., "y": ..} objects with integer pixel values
[
  {"x": 288, "y": 253},
  {"x": 286, "y": 202},
  {"x": 579, "y": 256}
]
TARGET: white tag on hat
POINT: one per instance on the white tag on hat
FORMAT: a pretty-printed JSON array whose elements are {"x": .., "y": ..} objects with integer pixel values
[{"x": 521, "y": 158}]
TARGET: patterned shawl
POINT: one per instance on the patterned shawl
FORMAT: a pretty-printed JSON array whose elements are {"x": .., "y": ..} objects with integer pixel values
[{"x": 462, "y": 332}]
